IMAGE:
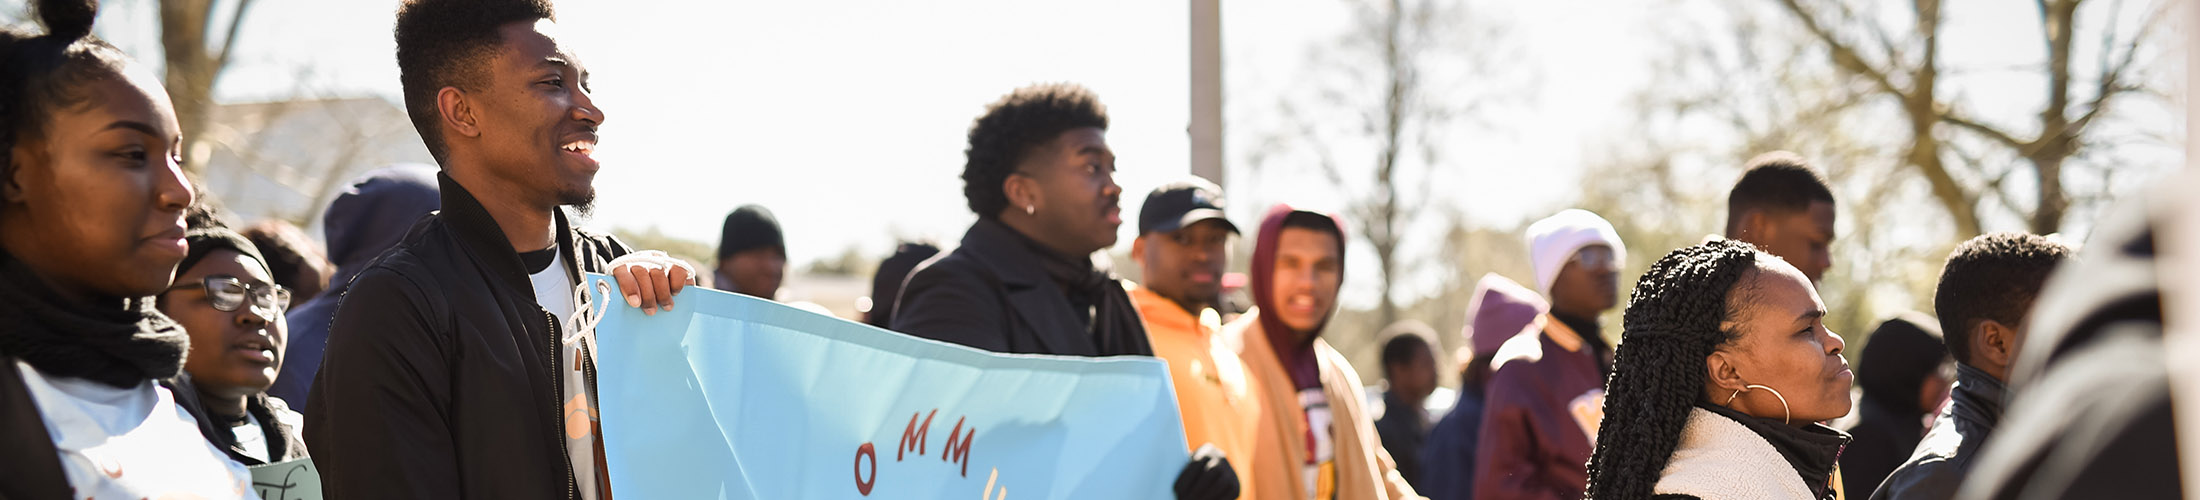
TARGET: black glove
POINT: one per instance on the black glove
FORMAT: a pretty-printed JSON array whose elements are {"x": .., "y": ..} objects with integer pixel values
[{"x": 1207, "y": 477}]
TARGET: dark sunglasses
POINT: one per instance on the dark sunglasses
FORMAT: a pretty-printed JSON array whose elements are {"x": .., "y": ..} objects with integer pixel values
[{"x": 226, "y": 293}]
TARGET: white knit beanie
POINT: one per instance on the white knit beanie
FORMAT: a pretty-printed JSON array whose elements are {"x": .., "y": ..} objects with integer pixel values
[{"x": 1553, "y": 240}]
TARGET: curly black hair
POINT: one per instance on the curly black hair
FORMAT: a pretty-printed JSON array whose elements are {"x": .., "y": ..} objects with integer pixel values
[
  {"x": 448, "y": 43},
  {"x": 1778, "y": 182},
  {"x": 1992, "y": 277},
  {"x": 40, "y": 74},
  {"x": 1015, "y": 125},
  {"x": 1673, "y": 322}
]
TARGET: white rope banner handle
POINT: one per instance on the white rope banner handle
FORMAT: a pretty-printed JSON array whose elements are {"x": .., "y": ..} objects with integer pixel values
[{"x": 586, "y": 315}]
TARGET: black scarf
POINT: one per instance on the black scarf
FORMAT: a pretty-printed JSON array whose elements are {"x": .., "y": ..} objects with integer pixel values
[
  {"x": 120, "y": 347},
  {"x": 1811, "y": 449},
  {"x": 283, "y": 442},
  {"x": 1097, "y": 298}
]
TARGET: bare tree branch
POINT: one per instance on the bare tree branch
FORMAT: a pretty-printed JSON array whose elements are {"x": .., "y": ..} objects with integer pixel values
[
  {"x": 229, "y": 40},
  {"x": 1952, "y": 117},
  {"x": 1843, "y": 56},
  {"x": 2112, "y": 78}
]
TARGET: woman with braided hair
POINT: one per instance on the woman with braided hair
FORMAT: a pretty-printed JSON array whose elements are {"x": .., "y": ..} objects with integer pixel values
[
  {"x": 92, "y": 199},
  {"x": 1722, "y": 373}
]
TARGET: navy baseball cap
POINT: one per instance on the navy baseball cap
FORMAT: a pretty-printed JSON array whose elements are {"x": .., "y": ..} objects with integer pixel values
[{"x": 1183, "y": 203}]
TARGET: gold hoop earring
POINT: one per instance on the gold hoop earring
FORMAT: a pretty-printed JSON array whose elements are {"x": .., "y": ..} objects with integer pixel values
[{"x": 1786, "y": 416}]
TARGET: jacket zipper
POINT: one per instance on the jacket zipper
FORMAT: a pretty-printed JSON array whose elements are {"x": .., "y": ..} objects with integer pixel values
[
  {"x": 603, "y": 471},
  {"x": 557, "y": 388}
]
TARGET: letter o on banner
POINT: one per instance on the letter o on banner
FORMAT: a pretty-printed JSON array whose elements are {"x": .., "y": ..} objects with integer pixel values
[{"x": 863, "y": 453}]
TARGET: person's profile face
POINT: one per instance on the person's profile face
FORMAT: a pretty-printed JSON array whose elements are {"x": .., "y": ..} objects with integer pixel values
[
  {"x": 1076, "y": 174},
  {"x": 96, "y": 199},
  {"x": 1805, "y": 239},
  {"x": 1186, "y": 265},
  {"x": 1308, "y": 269},
  {"x": 238, "y": 352},
  {"x": 1784, "y": 344},
  {"x": 1588, "y": 283},
  {"x": 536, "y": 118}
]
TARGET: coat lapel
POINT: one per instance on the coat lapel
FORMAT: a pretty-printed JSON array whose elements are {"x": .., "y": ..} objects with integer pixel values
[
  {"x": 1044, "y": 311},
  {"x": 1032, "y": 297}
]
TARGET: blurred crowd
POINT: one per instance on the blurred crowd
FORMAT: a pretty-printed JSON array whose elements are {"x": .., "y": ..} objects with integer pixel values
[{"x": 430, "y": 349}]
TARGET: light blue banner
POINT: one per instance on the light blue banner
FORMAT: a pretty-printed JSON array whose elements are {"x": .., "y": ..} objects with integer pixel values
[{"x": 730, "y": 396}]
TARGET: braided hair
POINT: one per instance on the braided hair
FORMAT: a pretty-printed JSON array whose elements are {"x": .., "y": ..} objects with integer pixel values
[
  {"x": 42, "y": 73},
  {"x": 1672, "y": 323}
]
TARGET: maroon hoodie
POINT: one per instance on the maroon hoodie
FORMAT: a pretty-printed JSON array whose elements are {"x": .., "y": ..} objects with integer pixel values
[{"x": 1295, "y": 349}]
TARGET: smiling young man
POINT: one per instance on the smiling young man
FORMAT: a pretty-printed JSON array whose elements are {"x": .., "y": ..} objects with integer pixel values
[
  {"x": 449, "y": 372},
  {"x": 1315, "y": 440}
]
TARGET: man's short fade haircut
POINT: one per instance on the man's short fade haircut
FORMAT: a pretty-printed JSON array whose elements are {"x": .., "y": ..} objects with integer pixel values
[
  {"x": 1012, "y": 128},
  {"x": 448, "y": 43},
  {"x": 1992, "y": 277},
  {"x": 1779, "y": 183}
]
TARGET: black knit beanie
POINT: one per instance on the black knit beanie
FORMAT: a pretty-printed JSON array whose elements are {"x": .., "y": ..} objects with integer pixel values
[
  {"x": 205, "y": 241},
  {"x": 748, "y": 228}
]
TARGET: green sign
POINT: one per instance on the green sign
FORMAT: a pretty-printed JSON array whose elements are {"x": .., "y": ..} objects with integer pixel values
[{"x": 292, "y": 480}]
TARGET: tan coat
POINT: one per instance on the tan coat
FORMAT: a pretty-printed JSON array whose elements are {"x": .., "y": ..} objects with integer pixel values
[{"x": 1364, "y": 470}]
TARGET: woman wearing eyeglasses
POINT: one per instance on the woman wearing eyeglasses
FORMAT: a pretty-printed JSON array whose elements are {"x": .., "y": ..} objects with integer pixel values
[{"x": 226, "y": 298}]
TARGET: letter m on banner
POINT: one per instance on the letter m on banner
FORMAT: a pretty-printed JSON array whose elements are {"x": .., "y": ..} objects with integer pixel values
[
  {"x": 959, "y": 453},
  {"x": 914, "y": 437}
]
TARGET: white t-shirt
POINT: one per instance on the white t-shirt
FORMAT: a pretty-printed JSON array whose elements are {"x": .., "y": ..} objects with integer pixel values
[
  {"x": 1321, "y": 465},
  {"x": 250, "y": 438},
  {"x": 554, "y": 292},
  {"x": 130, "y": 443}
]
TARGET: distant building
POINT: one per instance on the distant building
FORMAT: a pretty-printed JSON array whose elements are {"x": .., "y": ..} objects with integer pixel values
[{"x": 287, "y": 159}]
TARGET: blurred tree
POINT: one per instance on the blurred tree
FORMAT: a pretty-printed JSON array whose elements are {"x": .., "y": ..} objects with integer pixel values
[
  {"x": 851, "y": 261},
  {"x": 699, "y": 254},
  {"x": 1401, "y": 71},
  {"x": 1861, "y": 41},
  {"x": 1745, "y": 81},
  {"x": 188, "y": 32}
]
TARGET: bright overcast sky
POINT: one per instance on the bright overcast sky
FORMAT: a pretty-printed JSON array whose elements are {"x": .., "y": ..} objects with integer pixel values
[{"x": 847, "y": 118}]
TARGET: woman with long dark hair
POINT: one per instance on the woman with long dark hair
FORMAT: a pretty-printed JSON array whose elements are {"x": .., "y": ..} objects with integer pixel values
[
  {"x": 1722, "y": 373},
  {"x": 92, "y": 197}
]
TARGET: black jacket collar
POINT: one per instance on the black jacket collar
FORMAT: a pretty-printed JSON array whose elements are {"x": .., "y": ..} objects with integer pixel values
[
  {"x": 1977, "y": 398},
  {"x": 486, "y": 242},
  {"x": 1038, "y": 302}
]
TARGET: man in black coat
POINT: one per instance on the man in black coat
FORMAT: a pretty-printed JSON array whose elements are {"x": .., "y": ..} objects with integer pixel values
[
  {"x": 1984, "y": 301},
  {"x": 2093, "y": 416},
  {"x": 449, "y": 371},
  {"x": 1041, "y": 178}
]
